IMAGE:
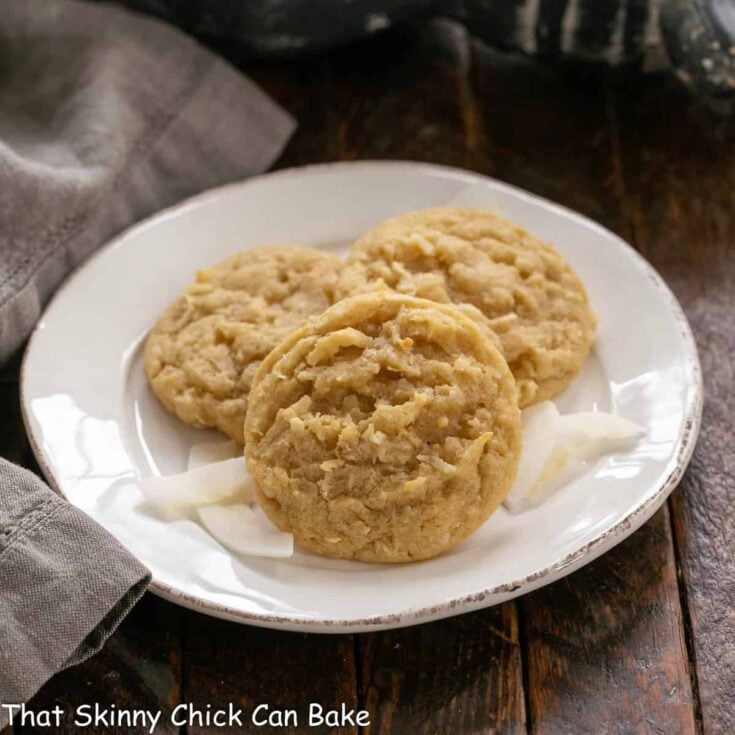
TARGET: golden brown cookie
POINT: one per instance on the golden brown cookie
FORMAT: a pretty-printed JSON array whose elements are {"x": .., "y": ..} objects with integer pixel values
[
  {"x": 530, "y": 295},
  {"x": 201, "y": 356},
  {"x": 385, "y": 430}
]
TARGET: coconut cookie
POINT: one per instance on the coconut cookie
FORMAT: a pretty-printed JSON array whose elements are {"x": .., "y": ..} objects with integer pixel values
[
  {"x": 530, "y": 295},
  {"x": 201, "y": 356},
  {"x": 385, "y": 430}
]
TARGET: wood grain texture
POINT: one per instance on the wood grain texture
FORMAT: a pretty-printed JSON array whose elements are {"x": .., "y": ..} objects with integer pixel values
[
  {"x": 406, "y": 95},
  {"x": 228, "y": 662},
  {"x": 546, "y": 129},
  {"x": 461, "y": 675},
  {"x": 606, "y": 650},
  {"x": 616, "y": 626},
  {"x": 13, "y": 441},
  {"x": 401, "y": 95},
  {"x": 306, "y": 89},
  {"x": 14, "y": 445},
  {"x": 679, "y": 163}
]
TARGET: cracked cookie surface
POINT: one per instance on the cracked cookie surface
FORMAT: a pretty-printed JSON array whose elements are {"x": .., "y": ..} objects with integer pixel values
[
  {"x": 387, "y": 429},
  {"x": 527, "y": 291},
  {"x": 201, "y": 356}
]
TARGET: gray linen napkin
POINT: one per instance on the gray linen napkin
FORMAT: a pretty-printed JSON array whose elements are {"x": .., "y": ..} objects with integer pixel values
[
  {"x": 65, "y": 584},
  {"x": 105, "y": 117}
]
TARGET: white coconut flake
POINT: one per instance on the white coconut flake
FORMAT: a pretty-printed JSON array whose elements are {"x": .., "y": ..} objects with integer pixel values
[
  {"x": 212, "y": 483},
  {"x": 576, "y": 441},
  {"x": 238, "y": 528},
  {"x": 217, "y": 485},
  {"x": 539, "y": 425},
  {"x": 596, "y": 433}
]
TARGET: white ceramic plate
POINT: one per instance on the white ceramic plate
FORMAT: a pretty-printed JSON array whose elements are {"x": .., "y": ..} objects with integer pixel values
[{"x": 96, "y": 428}]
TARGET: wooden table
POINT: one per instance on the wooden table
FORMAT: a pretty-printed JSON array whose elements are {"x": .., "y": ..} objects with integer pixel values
[{"x": 640, "y": 641}]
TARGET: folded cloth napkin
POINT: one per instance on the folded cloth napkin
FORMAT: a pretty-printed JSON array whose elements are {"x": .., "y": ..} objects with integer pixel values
[
  {"x": 105, "y": 117},
  {"x": 65, "y": 584}
]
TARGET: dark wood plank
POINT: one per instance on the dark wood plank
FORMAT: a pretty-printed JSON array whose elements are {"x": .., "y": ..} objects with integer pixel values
[
  {"x": 403, "y": 95},
  {"x": 679, "y": 163},
  {"x": 406, "y": 95},
  {"x": 461, "y": 675},
  {"x": 10, "y": 369},
  {"x": 14, "y": 444},
  {"x": 617, "y": 626},
  {"x": 302, "y": 88},
  {"x": 228, "y": 662},
  {"x": 13, "y": 441},
  {"x": 138, "y": 669},
  {"x": 611, "y": 634},
  {"x": 299, "y": 87},
  {"x": 606, "y": 650},
  {"x": 545, "y": 128}
]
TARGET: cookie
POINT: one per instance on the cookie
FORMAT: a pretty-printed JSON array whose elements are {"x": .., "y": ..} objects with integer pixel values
[
  {"x": 385, "y": 430},
  {"x": 525, "y": 288},
  {"x": 201, "y": 356}
]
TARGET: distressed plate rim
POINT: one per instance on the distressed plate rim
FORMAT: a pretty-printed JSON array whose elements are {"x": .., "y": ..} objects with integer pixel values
[{"x": 492, "y": 595}]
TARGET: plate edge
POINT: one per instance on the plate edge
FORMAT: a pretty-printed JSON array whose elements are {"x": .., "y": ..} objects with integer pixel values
[{"x": 465, "y": 603}]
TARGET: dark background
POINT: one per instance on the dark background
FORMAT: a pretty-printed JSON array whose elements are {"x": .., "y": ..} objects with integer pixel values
[{"x": 640, "y": 641}]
